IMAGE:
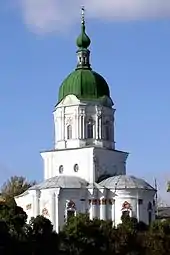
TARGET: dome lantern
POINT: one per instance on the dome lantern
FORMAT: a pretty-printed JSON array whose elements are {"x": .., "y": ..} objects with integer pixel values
[{"x": 83, "y": 42}]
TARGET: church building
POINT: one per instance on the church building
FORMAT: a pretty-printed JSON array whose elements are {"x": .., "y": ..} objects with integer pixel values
[{"x": 84, "y": 172}]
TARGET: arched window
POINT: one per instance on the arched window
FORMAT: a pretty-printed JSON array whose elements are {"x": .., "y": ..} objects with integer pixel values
[
  {"x": 126, "y": 211},
  {"x": 149, "y": 212},
  {"x": 70, "y": 209},
  {"x": 84, "y": 60},
  {"x": 90, "y": 129},
  {"x": 79, "y": 59},
  {"x": 69, "y": 132}
]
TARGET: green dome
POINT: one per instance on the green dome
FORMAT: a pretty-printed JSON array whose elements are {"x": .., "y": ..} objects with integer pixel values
[
  {"x": 83, "y": 41},
  {"x": 85, "y": 84}
]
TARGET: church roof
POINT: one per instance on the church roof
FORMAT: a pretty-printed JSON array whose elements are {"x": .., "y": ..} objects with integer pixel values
[
  {"x": 68, "y": 182},
  {"x": 125, "y": 182},
  {"x": 83, "y": 82}
]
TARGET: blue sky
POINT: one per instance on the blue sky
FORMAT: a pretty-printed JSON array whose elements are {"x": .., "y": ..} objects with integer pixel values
[{"x": 131, "y": 53}]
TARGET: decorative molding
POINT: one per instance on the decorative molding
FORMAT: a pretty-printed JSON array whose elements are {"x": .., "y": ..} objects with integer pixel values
[
  {"x": 82, "y": 112},
  {"x": 111, "y": 201},
  {"x": 69, "y": 121},
  {"x": 28, "y": 207},
  {"x": 94, "y": 201},
  {"x": 126, "y": 206},
  {"x": 99, "y": 114},
  {"x": 102, "y": 201},
  {"x": 90, "y": 120},
  {"x": 99, "y": 111},
  {"x": 45, "y": 212}
]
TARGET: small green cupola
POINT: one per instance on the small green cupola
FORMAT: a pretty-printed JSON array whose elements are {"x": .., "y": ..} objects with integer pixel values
[
  {"x": 84, "y": 83},
  {"x": 83, "y": 41}
]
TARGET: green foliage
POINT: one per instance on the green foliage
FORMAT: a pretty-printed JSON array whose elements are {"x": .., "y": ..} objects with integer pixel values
[
  {"x": 42, "y": 238},
  {"x": 13, "y": 215},
  {"x": 41, "y": 225},
  {"x": 79, "y": 236},
  {"x": 168, "y": 186},
  {"x": 15, "y": 186}
]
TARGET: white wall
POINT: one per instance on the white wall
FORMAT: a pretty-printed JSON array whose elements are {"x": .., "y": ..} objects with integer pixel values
[
  {"x": 92, "y": 162},
  {"x": 54, "y": 202},
  {"x": 68, "y": 158},
  {"x": 27, "y": 202},
  {"x": 109, "y": 162},
  {"x": 76, "y": 113},
  {"x": 76, "y": 195},
  {"x": 132, "y": 197}
]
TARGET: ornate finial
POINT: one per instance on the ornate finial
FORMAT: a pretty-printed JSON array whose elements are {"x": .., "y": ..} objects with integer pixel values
[
  {"x": 82, "y": 15},
  {"x": 83, "y": 41}
]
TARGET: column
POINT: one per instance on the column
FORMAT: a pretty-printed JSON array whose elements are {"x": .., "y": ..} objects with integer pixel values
[
  {"x": 113, "y": 212},
  {"x": 62, "y": 125},
  {"x": 80, "y": 127},
  {"x": 94, "y": 208},
  {"x": 33, "y": 205},
  {"x": 100, "y": 127},
  {"x": 45, "y": 168},
  {"x": 53, "y": 219},
  {"x": 137, "y": 209},
  {"x": 56, "y": 130},
  {"x": 97, "y": 126},
  {"x": 51, "y": 166},
  {"x": 77, "y": 124},
  {"x": 83, "y": 127},
  {"x": 56, "y": 212},
  {"x": 37, "y": 203},
  {"x": 83, "y": 205},
  {"x": 90, "y": 209},
  {"x": 103, "y": 203}
]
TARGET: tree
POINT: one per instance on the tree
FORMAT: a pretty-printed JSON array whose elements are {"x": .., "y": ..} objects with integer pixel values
[
  {"x": 15, "y": 218},
  {"x": 15, "y": 186},
  {"x": 130, "y": 235},
  {"x": 41, "y": 225},
  {"x": 5, "y": 240},
  {"x": 12, "y": 229},
  {"x": 81, "y": 235},
  {"x": 42, "y": 238}
]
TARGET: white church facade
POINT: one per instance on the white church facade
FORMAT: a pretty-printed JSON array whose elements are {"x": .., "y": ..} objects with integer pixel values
[{"x": 85, "y": 173}]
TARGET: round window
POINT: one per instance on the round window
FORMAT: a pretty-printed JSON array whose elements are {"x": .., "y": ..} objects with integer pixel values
[
  {"x": 61, "y": 168},
  {"x": 76, "y": 168}
]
